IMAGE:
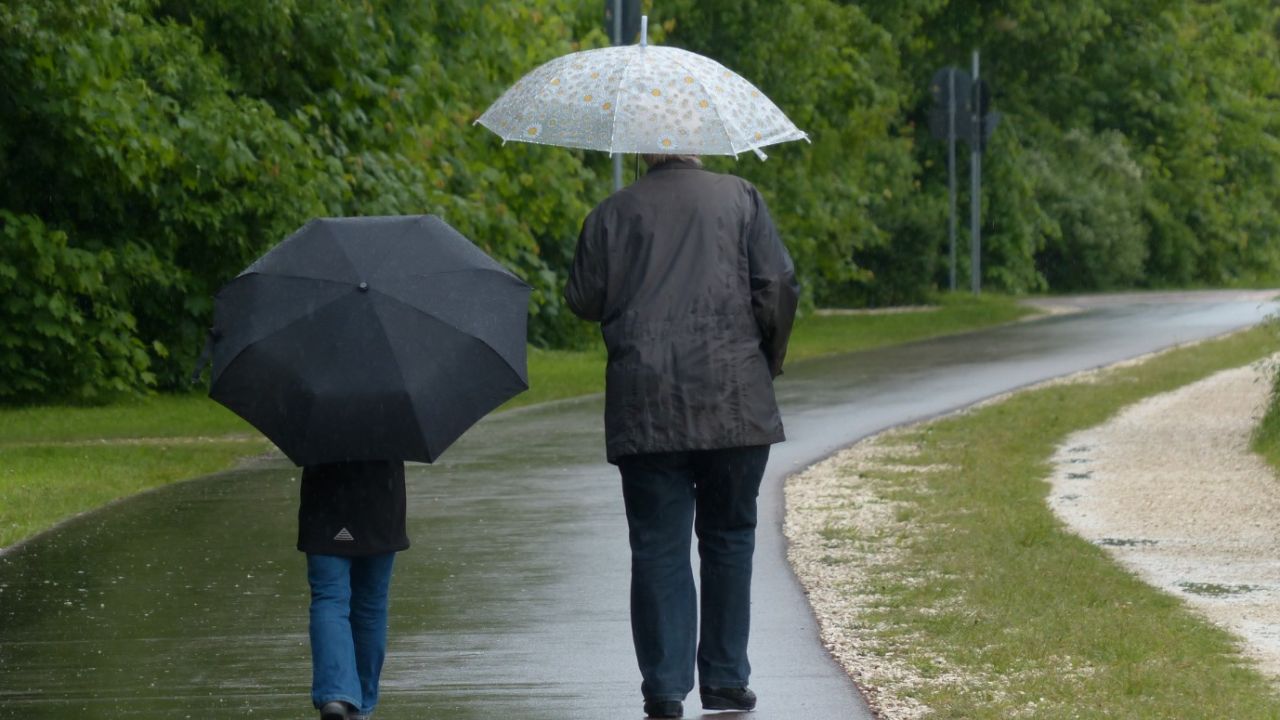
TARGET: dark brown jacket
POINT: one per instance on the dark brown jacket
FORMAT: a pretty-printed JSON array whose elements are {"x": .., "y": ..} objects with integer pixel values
[{"x": 695, "y": 295}]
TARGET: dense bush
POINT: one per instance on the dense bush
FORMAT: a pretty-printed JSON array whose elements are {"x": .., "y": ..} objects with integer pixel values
[
  {"x": 198, "y": 134},
  {"x": 61, "y": 317},
  {"x": 150, "y": 149},
  {"x": 1092, "y": 193}
]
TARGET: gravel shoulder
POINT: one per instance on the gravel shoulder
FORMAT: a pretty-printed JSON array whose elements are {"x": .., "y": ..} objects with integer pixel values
[{"x": 1168, "y": 486}]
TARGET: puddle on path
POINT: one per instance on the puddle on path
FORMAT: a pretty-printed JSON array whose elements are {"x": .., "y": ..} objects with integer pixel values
[
  {"x": 1125, "y": 542},
  {"x": 1216, "y": 589}
]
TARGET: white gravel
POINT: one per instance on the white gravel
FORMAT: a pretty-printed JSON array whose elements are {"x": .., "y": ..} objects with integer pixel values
[
  {"x": 1171, "y": 489},
  {"x": 1169, "y": 486},
  {"x": 837, "y": 496}
]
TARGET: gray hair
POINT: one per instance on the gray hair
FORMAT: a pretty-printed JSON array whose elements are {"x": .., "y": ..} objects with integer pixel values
[{"x": 655, "y": 160}]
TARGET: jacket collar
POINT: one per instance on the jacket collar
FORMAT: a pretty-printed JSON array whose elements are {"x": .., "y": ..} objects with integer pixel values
[{"x": 674, "y": 165}]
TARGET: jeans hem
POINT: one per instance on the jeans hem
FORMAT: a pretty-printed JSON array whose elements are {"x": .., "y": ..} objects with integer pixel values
[
  {"x": 721, "y": 685},
  {"x": 336, "y": 698}
]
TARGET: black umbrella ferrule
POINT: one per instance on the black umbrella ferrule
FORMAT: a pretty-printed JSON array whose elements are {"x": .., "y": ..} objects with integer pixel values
[{"x": 364, "y": 287}]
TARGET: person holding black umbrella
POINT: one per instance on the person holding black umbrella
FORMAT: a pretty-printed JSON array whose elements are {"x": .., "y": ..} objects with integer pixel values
[
  {"x": 357, "y": 344},
  {"x": 351, "y": 524},
  {"x": 695, "y": 295}
]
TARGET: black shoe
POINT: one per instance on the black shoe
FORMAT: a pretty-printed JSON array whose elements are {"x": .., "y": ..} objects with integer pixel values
[
  {"x": 714, "y": 698},
  {"x": 336, "y": 710},
  {"x": 663, "y": 708}
]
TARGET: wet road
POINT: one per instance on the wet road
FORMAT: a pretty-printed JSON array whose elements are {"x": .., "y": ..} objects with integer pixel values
[{"x": 191, "y": 602}]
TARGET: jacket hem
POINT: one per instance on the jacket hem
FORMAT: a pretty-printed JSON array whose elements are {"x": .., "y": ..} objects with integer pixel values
[
  {"x": 339, "y": 551},
  {"x": 613, "y": 454}
]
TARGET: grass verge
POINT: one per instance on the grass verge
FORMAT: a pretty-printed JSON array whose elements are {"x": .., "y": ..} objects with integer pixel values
[
  {"x": 54, "y": 462},
  {"x": 42, "y": 484},
  {"x": 997, "y": 609}
]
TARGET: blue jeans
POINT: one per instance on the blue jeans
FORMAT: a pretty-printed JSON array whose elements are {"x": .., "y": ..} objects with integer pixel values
[
  {"x": 348, "y": 627},
  {"x": 712, "y": 492}
]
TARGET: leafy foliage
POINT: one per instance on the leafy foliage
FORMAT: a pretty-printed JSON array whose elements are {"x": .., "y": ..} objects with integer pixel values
[
  {"x": 166, "y": 143},
  {"x": 60, "y": 320},
  {"x": 1091, "y": 191}
]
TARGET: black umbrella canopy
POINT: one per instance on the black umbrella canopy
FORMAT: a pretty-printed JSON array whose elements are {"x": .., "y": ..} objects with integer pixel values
[{"x": 369, "y": 338}]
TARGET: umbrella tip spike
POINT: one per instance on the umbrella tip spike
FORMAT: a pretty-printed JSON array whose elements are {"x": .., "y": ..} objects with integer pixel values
[{"x": 644, "y": 31}]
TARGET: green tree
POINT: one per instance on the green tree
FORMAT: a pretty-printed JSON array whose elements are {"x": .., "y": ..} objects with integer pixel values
[{"x": 161, "y": 145}]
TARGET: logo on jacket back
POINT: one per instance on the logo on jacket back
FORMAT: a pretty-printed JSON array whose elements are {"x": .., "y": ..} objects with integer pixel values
[{"x": 344, "y": 535}]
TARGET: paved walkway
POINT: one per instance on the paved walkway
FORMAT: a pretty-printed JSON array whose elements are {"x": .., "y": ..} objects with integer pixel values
[{"x": 191, "y": 602}]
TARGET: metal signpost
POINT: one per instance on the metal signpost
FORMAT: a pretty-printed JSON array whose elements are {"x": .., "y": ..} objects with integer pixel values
[
  {"x": 961, "y": 111},
  {"x": 949, "y": 121},
  {"x": 975, "y": 185},
  {"x": 622, "y": 22}
]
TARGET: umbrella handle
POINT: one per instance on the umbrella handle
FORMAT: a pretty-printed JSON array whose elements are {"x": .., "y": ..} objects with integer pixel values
[{"x": 206, "y": 355}]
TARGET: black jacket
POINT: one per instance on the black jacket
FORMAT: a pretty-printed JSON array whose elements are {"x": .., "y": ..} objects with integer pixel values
[
  {"x": 352, "y": 509},
  {"x": 695, "y": 295}
]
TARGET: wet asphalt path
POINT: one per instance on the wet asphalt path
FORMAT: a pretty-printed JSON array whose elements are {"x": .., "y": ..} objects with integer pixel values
[{"x": 190, "y": 602}]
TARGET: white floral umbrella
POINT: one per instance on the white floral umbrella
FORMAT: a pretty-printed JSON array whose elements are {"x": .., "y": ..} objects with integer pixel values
[{"x": 640, "y": 99}]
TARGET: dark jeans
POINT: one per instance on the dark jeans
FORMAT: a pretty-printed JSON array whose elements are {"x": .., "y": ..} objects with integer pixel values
[{"x": 712, "y": 492}]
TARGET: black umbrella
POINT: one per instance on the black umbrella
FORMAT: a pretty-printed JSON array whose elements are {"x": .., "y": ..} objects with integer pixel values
[{"x": 369, "y": 338}]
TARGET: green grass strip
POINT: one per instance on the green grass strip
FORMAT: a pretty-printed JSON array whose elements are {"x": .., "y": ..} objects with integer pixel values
[
  {"x": 818, "y": 335},
  {"x": 1032, "y": 620},
  {"x": 187, "y": 415},
  {"x": 41, "y": 485}
]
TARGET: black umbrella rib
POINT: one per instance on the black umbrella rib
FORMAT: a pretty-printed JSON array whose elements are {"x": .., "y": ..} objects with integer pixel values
[
  {"x": 288, "y": 276},
  {"x": 444, "y": 320},
  {"x": 290, "y": 323},
  {"x": 497, "y": 271}
]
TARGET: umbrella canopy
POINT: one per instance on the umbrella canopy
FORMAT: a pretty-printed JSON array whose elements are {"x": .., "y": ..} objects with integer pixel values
[
  {"x": 639, "y": 99},
  {"x": 376, "y": 338}
]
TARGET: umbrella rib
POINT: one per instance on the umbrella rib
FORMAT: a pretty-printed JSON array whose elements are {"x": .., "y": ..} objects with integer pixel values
[
  {"x": 532, "y": 95},
  {"x": 441, "y": 320},
  {"x": 422, "y": 422},
  {"x": 287, "y": 325},
  {"x": 715, "y": 106},
  {"x": 495, "y": 271},
  {"x": 399, "y": 374},
  {"x": 352, "y": 284},
  {"x": 328, "y": 228},
  {"x": 754, "y": 147},
  {"x": 617, "y": 98},
  {"x": 292, "y": 276},
  {"x": 306, "y": 438}
]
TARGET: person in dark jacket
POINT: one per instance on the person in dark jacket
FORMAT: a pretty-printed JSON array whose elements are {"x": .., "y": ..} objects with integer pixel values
[
  {"x": 695, "y": 295},
  {"x": 351, "y": 524}
]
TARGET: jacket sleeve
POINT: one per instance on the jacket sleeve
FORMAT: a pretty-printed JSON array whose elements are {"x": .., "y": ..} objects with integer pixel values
[
  {"x": 774, "y": 290},
  {"x": 585, "y": 290}
]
